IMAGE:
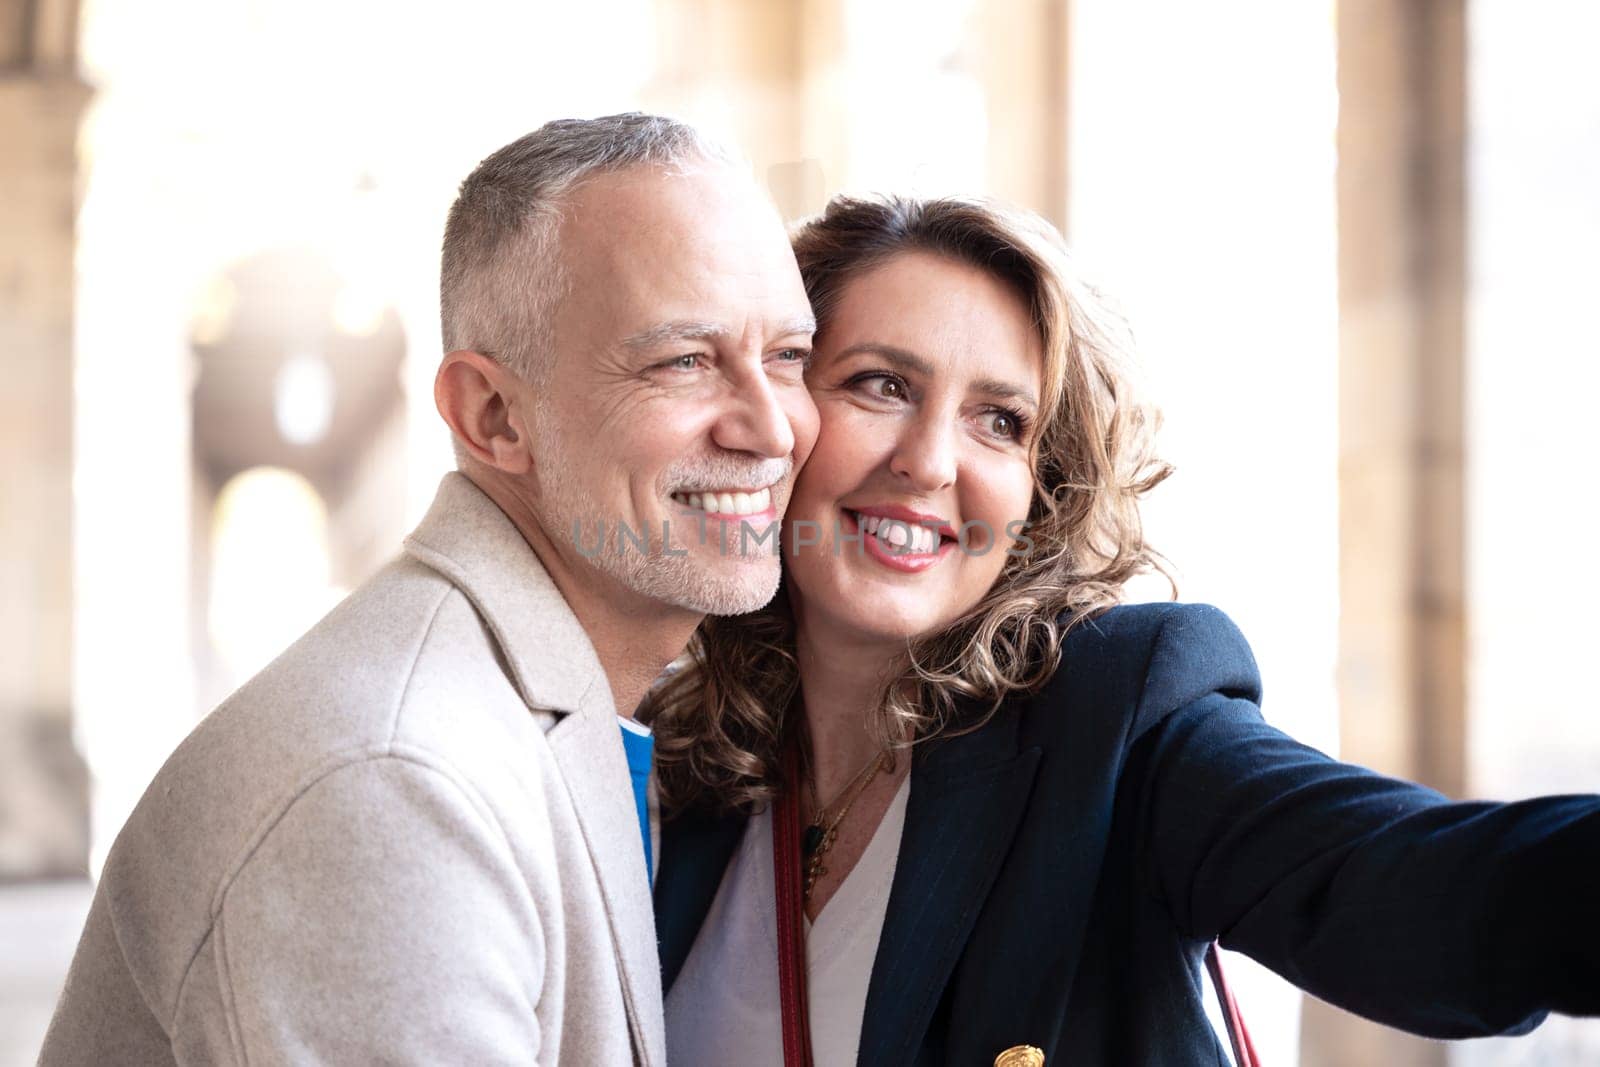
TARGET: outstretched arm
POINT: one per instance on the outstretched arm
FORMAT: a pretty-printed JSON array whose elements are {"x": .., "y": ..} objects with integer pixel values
[{"x": 1447, "y": 919}]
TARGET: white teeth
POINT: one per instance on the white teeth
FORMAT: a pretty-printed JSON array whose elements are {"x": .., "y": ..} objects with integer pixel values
[
  {"x": 727, "y": 503},
  {"x": 901, "y": 535}
]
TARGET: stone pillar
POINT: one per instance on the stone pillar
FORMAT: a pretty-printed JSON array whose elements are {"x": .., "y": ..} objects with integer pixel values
[
  {"x": 1402, "y": 228},
  {"x": 43, "y": 789},
  {"x": 1026, "y": 82},
  {"x": 765, "y": 76},
  {"x": 779, "y": 77}
]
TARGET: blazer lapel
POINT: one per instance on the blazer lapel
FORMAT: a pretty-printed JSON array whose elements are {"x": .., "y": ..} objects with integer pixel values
[
  {"x": 967, "y": 795},
  {"x": 695, "y": 851},
  {"x": 588, "y": 749}
]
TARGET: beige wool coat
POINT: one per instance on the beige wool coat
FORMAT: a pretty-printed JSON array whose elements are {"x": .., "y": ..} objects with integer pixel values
[{"x": 411, "y": 839}]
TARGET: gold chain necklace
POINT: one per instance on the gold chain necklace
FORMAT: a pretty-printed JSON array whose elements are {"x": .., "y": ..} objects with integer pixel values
[{"x": 823, "y": 831}]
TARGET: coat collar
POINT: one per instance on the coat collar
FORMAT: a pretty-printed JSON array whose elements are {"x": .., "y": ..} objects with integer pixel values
[
  {"x": 467, "y": 538},
  {"x": 968, "y": 794}
]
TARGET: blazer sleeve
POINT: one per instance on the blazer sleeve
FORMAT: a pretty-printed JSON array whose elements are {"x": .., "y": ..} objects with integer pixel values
[
  {"x": 381, "y": 920},
  {"x": 1447, "y": 919}
]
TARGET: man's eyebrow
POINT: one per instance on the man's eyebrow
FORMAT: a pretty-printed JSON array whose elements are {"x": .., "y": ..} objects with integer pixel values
[
  {"x": 807, "y": 324},
  {"x": 910, "y": 362},
  {"x": 681, "y": 330},
  {"x": 697, "y": 330}
]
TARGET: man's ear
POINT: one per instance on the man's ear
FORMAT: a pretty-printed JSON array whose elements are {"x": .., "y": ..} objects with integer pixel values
[{"x": 476, "y": 396}]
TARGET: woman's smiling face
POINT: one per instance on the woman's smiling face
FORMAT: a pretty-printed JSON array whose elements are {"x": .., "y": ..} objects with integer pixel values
[{"x": 926, "y": 378}]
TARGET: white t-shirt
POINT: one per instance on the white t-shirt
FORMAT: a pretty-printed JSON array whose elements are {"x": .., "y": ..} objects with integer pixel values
[{"x": 723, "y": 1008}]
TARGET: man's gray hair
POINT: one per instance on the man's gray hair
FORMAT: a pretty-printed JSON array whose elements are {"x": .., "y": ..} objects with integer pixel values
[{"x": 501, "y": 273}]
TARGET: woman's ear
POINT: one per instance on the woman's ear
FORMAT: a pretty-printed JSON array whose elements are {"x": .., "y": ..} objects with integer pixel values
[{"x": 476, "y": 396}]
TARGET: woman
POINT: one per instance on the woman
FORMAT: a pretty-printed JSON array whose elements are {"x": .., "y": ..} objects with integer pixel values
[{"x": 1029, "y": 811}]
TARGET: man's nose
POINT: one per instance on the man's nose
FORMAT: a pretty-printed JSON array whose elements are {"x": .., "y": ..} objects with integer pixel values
[{"x": 755, "y": 420}]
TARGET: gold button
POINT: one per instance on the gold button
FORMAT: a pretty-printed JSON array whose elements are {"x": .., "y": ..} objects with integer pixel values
[{"x": 1020, "y": 1056}]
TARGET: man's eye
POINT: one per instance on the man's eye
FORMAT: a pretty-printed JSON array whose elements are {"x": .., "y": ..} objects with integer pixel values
[
  {"x": 688, "y": 362},
  {"x": 792, "y": 355}
]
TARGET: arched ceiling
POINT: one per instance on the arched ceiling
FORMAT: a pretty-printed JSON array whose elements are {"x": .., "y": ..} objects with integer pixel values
[{"x": 277, "y": 306}]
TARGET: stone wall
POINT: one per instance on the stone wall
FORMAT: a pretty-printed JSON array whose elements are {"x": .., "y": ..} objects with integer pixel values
[{"x": 43, "y": 790}]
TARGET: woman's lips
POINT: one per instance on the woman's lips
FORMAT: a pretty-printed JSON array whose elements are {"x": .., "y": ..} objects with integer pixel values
[{"x": 900, "y": 560}]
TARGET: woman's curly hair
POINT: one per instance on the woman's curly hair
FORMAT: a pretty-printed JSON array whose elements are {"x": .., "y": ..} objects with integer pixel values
[{"x": 719, "y": 715}]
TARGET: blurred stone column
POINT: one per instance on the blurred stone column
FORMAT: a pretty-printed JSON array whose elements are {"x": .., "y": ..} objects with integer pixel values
[
  {"x": 1402, "y": 222},
  {"x": 43, "y": 789},
  {"x": 1026, "y": 78},
  {"x": 767, "y": 76}
]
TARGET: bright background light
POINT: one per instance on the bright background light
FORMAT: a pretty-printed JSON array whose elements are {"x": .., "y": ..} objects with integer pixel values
[{"x": 264, "y": 186}]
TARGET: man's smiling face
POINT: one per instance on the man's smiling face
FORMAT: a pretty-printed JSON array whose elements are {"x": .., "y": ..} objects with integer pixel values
[{"x": 676, "y": 398}]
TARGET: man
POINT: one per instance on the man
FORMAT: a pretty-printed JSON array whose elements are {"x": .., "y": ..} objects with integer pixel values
[{"x": 413, "y": 837}]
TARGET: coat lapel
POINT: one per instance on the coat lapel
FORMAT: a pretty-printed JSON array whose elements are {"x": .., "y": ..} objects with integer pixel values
[
  {"x": 695, "y": 852},
  {"x": 967, "y": 795},
  {"x": 588, "y": 749},
  {"x": 467, "y": 538}
]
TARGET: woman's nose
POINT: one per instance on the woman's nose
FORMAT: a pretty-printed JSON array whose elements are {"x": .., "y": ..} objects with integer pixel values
[{"x": 926, "y": 454}]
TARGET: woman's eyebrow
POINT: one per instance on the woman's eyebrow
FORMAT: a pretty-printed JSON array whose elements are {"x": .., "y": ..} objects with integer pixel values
[
  {"x": 898, "y": 358},
  {"x": 902, "y": 360},
  {"x": 999, "y": 390}
]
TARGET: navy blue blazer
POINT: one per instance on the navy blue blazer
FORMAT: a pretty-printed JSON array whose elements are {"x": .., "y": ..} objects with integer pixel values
[{"x": 1063, "y": 868}]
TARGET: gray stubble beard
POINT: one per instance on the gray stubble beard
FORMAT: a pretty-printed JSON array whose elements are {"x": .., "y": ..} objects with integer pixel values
[{"x": 739, "y": 579}]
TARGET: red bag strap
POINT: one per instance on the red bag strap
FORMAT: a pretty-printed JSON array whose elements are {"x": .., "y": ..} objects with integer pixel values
[
  {"x": 1244, "y": 1053},
  {"x": 791, "y": 917}
]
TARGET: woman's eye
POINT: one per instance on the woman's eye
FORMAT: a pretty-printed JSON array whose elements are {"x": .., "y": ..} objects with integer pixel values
[
  {"x": 1007, "y": 424},
  {"x": 878, "y": 385}
]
